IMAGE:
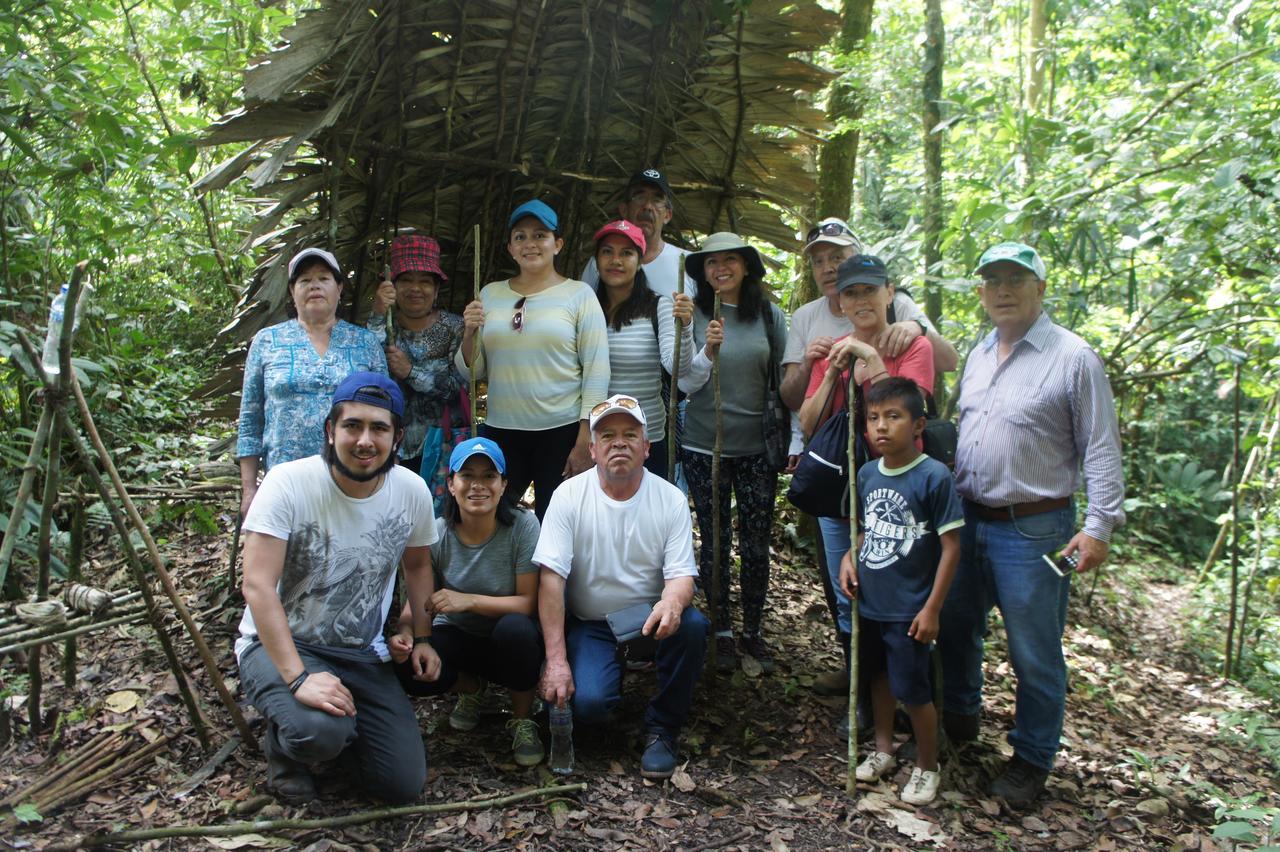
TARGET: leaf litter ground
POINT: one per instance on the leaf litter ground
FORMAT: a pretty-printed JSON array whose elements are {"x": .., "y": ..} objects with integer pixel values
[{"x": 1146, "y": 757}]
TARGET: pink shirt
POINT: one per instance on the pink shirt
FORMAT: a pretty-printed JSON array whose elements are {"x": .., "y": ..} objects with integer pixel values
[{"x": 915, "y": 363}]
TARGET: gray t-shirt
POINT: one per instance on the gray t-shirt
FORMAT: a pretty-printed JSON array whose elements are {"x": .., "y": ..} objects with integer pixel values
[
  {"x": 744, "y": 361},
  {"x": 484, "y": 569}
]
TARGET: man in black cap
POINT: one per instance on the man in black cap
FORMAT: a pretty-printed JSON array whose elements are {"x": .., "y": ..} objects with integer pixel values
[
  {"x": 647, "y": 203},
  {"x": 325, "y": 535}
]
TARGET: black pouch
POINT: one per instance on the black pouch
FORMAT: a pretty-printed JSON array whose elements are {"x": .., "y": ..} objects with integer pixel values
[{"x": 626, "y": 624}]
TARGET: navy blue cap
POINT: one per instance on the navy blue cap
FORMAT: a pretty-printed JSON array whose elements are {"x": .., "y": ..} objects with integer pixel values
[
  {"x": 537, "y": 210},
  {"x": 352, "y": 389},
  {"x": 861, "y": 269}
]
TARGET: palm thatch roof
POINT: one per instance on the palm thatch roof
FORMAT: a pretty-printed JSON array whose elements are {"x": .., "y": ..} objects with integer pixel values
[{"x": 434, "y": 115}]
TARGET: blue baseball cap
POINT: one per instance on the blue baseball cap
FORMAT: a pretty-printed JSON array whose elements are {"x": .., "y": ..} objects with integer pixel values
[
  {"x": 372, "y": 389},
  {"x": 482, "y": 446},
  {"x": 537, "y": 210}
]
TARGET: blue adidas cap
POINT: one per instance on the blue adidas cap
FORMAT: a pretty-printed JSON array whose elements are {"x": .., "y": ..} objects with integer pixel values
[{"x": 481, "y": 446}]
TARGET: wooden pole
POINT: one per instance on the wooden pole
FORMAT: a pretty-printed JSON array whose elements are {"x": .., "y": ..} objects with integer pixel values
[
  {"x": 29, "y": 470},
  {"x": 475, "y": 297},
  {"x": 43, "y": 554},
  {"x": 715, "y": 480},
  {"x": 851, "y": 780},
  {"x": 157, "y": 563},
  {"x": 673, "y": 403},
  {"x": 391, "y": 308},
  {"x": 75, "y": 558}
]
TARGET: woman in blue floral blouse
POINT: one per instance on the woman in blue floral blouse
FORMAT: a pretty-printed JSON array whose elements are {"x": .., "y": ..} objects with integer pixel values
[{"x": 293, "y": 369}]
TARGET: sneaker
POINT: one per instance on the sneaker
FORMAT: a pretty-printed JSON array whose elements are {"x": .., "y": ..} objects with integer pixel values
[
  {"x": 877, "y": 764},
  {"x": 287, "y": 779},
  {"x": 960, "y": 727},
  {"x": 659, "y": 759},
  {"x": 726, "y": 654},
  {"x": 1020, "y": 783},
  {"x": 921, "y": 788},
  {"x": 526, "y": 745},
  {"x": 832, "y": 683},
  {"x": 754, "y": 645},
  {"x": 466, "y": 712}
]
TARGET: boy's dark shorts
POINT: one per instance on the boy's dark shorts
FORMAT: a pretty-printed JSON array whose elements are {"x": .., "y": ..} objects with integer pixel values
[{"x": 884, "y": 646}]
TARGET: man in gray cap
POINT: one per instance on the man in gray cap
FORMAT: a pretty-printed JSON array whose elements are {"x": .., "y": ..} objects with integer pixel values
[{"x": 1035, "y": 408}]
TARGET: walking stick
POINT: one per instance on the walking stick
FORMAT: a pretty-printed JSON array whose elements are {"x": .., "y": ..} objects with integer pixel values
[
  {"x": 391, "y": 337},
  {"x": 851, "y": 782},
  {"x": 673, "y": 403},
  {"x": 715, "y": 479},
  {"x": 475, "y": 293}
]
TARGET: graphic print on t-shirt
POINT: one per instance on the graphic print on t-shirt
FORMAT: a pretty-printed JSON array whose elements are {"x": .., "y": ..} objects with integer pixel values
[
  {"x": 333, "y": 594},
  {"x": 890, "y": 529}
]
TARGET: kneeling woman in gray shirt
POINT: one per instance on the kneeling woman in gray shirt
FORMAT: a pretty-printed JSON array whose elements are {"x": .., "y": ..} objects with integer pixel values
[{"x": 483, "y": 627}]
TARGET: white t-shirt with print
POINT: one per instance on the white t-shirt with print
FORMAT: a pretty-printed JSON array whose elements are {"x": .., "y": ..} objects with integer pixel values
[
  {"x": 615, "y": 554},
  {"x": 342, "y": 552}
]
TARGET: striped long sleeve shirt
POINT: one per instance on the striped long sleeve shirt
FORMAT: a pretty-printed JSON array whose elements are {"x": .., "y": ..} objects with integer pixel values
[{"x": 1030, "y": 425}]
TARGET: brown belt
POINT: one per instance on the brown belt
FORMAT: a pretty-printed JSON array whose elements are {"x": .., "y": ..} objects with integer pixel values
[{"x": 1017, "y": 510}]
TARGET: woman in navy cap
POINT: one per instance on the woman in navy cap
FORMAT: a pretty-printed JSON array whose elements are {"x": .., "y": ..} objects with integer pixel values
[
  {"x": 539, "y": 338},
  {"x": 483, "y": 629},
  {"x": 293, "y": 368}
]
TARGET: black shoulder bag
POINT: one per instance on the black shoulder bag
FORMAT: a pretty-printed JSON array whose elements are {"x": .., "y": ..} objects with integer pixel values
[{"x": 776, "y": 423}]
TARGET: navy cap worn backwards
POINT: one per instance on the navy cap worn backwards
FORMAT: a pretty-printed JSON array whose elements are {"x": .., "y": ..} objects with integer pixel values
[
  {"x": 861, "y": 269},
  {"x": 354, "y": 389}
]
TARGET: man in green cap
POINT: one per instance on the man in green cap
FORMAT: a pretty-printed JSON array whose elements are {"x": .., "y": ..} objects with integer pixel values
[{"x": 1035, "y": 410}]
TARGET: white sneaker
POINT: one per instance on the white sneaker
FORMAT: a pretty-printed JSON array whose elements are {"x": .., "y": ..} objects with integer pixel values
[
  {"x": 876, "y": 764},
  {"x": 921, "y": 788}
]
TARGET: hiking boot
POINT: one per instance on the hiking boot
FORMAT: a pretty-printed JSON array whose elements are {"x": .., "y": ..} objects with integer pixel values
[
  {"x": 466, "y": 712},
  {"x": 526, "y": 745},
  {"x": 960, "y": 727},
  {"x": 755, "y": 647},
  {"x": 921, "y": 788},
  {"x": 832, "y": 683},
  {"x": 1020, "y": 783},
  {"x": 287, "y": 779},
  {"x": 726, "y": 654},
  {"x": 659, "y": 759},
  {"x": 876, "y": 764}
]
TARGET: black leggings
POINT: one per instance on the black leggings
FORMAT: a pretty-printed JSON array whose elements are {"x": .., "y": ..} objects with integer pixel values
[
  {"x": 510, "y": 656},
  {"x": 536, "y": 457}
]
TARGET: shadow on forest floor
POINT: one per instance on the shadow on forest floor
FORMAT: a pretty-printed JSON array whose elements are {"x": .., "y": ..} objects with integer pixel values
[{"x": 1144, "y": 761}]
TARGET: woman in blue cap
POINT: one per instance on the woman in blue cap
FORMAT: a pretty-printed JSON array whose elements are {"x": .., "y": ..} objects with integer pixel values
[
  {"x": 539, "y": 339},
  {"x": 483, "y": 628}
]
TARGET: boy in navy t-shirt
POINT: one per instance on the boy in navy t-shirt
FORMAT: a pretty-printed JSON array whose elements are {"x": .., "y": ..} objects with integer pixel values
[{"x": 909, "y": 545}]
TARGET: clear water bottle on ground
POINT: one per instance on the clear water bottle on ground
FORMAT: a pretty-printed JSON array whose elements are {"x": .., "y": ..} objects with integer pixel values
[
  {"x": 54, "y": 333},
  {"x": 561, "y": 719}
]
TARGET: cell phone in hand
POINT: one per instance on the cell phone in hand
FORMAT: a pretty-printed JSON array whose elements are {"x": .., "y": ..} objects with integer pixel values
[{"x": 1062, "y": 566}]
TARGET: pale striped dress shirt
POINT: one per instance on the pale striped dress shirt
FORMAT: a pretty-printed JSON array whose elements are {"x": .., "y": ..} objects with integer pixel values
[{"x": 1030, "y": 425}]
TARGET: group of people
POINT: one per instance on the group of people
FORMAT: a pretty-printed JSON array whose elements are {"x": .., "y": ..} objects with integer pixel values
[{"x": 579, "y": 376}]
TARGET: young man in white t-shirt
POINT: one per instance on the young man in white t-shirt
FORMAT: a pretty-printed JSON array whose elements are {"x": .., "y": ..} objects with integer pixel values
[
  {"x": 616, "y": 536},
  {"x": 324, "y": 537}
]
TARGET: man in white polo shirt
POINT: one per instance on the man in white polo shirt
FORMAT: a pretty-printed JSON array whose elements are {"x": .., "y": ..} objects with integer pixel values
[{"x": 616, "y": 536}]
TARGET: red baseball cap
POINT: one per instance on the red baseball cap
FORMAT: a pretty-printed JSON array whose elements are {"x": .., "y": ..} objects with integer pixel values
[
  {"x": 415, "y": 253},
  {"x": 627, "y": 229}
]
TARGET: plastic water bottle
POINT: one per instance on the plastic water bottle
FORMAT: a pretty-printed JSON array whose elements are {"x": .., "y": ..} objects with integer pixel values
[
  {"x": 561, "y": 719},
  {"x": 54, "y": 333}
]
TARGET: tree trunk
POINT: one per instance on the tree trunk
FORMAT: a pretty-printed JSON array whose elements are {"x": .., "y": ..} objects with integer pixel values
[
  {"x": 934, "y": 60},
  {"x": 1038, "y": 58}
]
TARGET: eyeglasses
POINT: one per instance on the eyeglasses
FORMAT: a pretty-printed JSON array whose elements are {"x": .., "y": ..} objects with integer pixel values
[
  {"x": 622, "y": 402},
  {"x": 828, "y": 229},
  {"x": 517, "y": 321},
  {"x": 1013, "y": 282}
]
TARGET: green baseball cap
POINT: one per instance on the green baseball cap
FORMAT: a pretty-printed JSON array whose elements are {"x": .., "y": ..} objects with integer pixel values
[{"x": 1019, "y": 253}]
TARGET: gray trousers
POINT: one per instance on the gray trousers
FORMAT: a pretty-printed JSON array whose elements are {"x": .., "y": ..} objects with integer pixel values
[{"x": 383, "y": 736}]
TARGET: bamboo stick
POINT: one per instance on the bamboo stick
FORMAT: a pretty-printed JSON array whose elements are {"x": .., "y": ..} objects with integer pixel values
[
  {"x": 475, "y": 297},
  {"x": 240, "y": 828},
  {"x": 24, "y": 491},
  {"x": 35, "y": 675},
  {"x": 166, "y": 580},
  {"x": 851, "y": 778},
  {"x": 44, "y": 639},
  {"x": 89, "y": 754},
  {"x": 673, "y": 402},
  {"x": 716, "y": 449},
  {"x": 75, "y": 558}
]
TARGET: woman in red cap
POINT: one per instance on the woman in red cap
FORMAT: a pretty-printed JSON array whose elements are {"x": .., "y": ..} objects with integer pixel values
[
  {"x": 420, "y": 348},
  {"x": 641, "y": 330}
]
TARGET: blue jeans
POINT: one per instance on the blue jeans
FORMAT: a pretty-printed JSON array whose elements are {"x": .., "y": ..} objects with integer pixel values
[
  {"x": 835, "y": 542},
  {"x": 1001, "y": 565},
  {"x": 597, "y": 675}
]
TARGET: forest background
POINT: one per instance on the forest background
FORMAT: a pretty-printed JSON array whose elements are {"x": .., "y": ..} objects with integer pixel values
[{"x": 1136, "y": 143}]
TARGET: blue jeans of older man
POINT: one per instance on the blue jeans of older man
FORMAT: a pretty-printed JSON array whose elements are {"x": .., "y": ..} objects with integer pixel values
[
  {"x": 1001, "y": 565},
  {"x": 597, "y": 674}
]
